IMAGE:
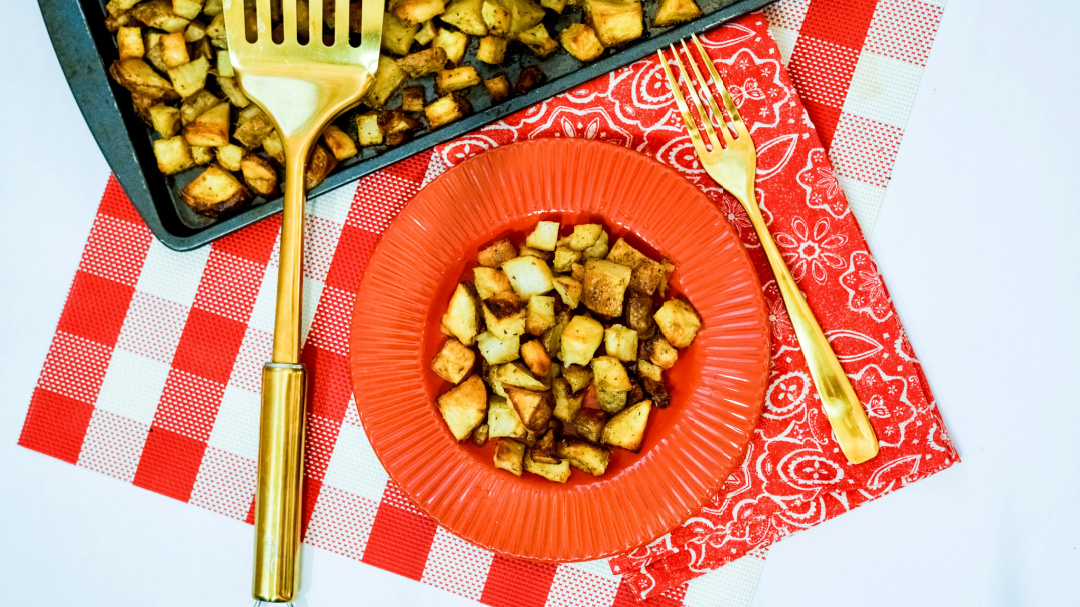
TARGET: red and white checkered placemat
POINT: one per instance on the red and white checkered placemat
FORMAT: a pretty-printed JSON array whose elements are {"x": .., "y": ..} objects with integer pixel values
[{"x": 152, "y": 376}]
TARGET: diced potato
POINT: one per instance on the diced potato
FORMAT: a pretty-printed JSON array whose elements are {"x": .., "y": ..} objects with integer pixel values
[
  {"x": 565, "y": 258},
  {"x": 454, "y": 43},
  {"x": 555, "y": 5},
  {"x": 627, "y": 429},
  {"x": 174, "y": 50},
  {"x": 534, "y": 408},
  {"x": 646, "y": 272},
  {"x": 490, "y": 281},
  {"x": 567, "y": 402},
  {"x": 464, "y": 407},
  {"x": 579, "y": 376},
  {"x": 660, "y": 352},
  {"x": 678, "y": 321},
  {"x": 273, "y": 147},
  {"x": 496, "y": 17},
  {"x": 604, "y": 287},
  {"x": 536, "y": 357},
  {"x": 599, "y": 248},
  {"x": 462, "y": 316},
  {"x": 666, "y": 270},
  {"x": 580, "y": 41},
  {"x": 505, "y": 315},
  {"x": 130, "y": 42},
  {"x": 655, "y": 388},
  {"x": 194, "y": 105},
  {"x": 230, "y": 156},
  {"x": 580, "y": 339},
  {"x": 138, "y": 77},
  {"x": 398, "y": 35},
  {"x": 213, "y": 7},
  {"x": 467, "y": 16},
  {"x": 503, "y": 419},
  {"x": 497, "y": 351},
  {"x": 610, "y": 374},
  {"x": 319, "y": 165},
  {"x": 497, "y": 254},
  {"x": 195, "y": 32},
  {"x": 142, "y": 107},
  {"x": 173, "y": 155},
  {"x": 412, "y": 99},
  {"x": 165, "y": 119},
  {"x": 615, "y": 21},
  {"x": 492, "y": 50},
  {"x": 541, "y": 314},
  {"x": 188, "y": 9},
  {"x": 509, "y": 456},
  {"x": 528, "y": 276},
  {"x": 417, "y": 11},
  {"x": 456, "y": 79},
  {"x": 259, "y": 175},
  {"x": 516, "y": 375},
  {"x": 339, "y": 143},
  {"x": 480, "y": 435},
  {"x": 537, "y": 253},
  {"x": 553, "y": 337},
  {"x": 422, "y": 63},
  {"x": 388, "y": 77},
  {"x": 498, "y": 88},
  {"x": 397, "y": 126},
  {"x": 544, "y": 236},
  {"x": 611, "y": 401},
  {"x": 233, "y": 92},
  {"x": 621, "y": 343},
  {"x": 558, "y": 473},
  {"x": 528, "y": 79},
  {"x": 224, "y": 66},
  {"x": 587, "y": 457},
  {"x": 589, "y": 424},
  {"x": 216, "y": 32},
  {"x": 639, "y": 311},
  {"x": 447, "y": 109},
  {"x": 211, "y": 128},
  {"x": 675, "y": 11},
  {"x": 159, "y": 14},
  {"x": 538, "y": 40},
  {"x": 367, "y": 129},
  {"x": 454, "y": 361},
  {"x": 190, "y": 77},
  {"x": 578, "y": 271},
  {"x": 569, "y": 290},
  {"x": 215, "y": 192},
  {"x": 647, "y": 370},
  {"x": 583, "y": 236},
  {"x": 544, "y": 449},
  {"x": 426, "y": 33},
  {"x": 524, "y": 15}
]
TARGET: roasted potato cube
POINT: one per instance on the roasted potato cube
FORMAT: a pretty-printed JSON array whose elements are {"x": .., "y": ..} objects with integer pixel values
[
  {"x": 454, "y": 361},
  {"x": 230, "y": 156},
  {"x": 194, "y": 105},
  {"x": 503, "y": 419},
  {"x": 447, "y": 109},
  {"x": 528, "y": 79},
  {"x": 675, "y": 11},
  {"x": 422, "y": 63},
  {"x": 541, "y": 315},
  {"x": 659, "y": 352},
  {"x": 538, "y": 40},
  {"x": 212, "y": 7},
  {"x": 216, "y": 32},
  {"x": 498, "y": 88},
  {"x": 639, "y": 311},
  {"x": 211, "y": 128},
  {"x": 615, "y": 21},
  {"x": 580, "y": 41},
  {"x": 558, "y": 473},
  {"x": 621, "y": 343},
  {"x": 609, "y": 374},
  {"x": 524, "y": 15},
  {"x": 397, "y": 126},
  {"x": 666, "y": 270},
  {"x": 534, "y": 408},
  {"x": 553, "y": 337},
  {"x": 627, "y": 428},
  {"x": 578, "y": 271},
  {"x": 656, "y": 390},
  {"x": 509, "y": 455},
  {"x": 492, "y": 50},
  {"x": 456, "y": 79},
  {"x": 130, "y": 42},
  {"x": 224, "y": 66},
  {"x": 165, "y": 119},
  {"x": 536, "y": 357},
  {"x": 467, "y": 16},
  {"x": 544, "y": 236},
  {"x": 528, "y": 276},
  {"x": 252, "y": 132},
  {"x": 388, "y": 77},
  {"x": 464, "y": 407},
  {"x": 544, "y": 449},
  {"x": 260, "y": 175},
  {"x": 273, "y": 147},
  {"x": 555, "y": 5},
  {"x": 174, "y": 50},
  {"x": 397, "y": 35},
  {"x": 426, "y": 33},
  {"x": 417, "y": 11},
  {"x": 516, "y": 375},
  {"x": 490, "y": 281},
  {"x": 589, "y": 424},
  {"x": 367, "y": 129},
  {"x": 454, "y": 43},
  {"x": 233, "y": 92},
  {"x": 611, "y": 401},
  {"x": 319, "y": 165},
  {"x": 202, "y": 154},
  {"x": 188, "y": 9},
  {"x": 537, "y": 253},
  {"x": 339, "y": 143},
  {"x": 496, "y": 17},
  {"x": 173, "y": 155},
  {"x": 579, "y": 376},
  {"x": 646, "y": 272},
  {"x": 142, "y": 107},
  {"x": 587, "y": 457},
  {"x": 605, "y": 285},
  {"x": 215, "y": 192},
  {"x": 599, "y": 248},
  {"x": 196, "y": 32},
  {"x": 480, "y": 435},
  {"x": 190, "y": 77},
  {"x": 494, "y": 255},
  {"x": 138, "y": 77},
  {"x": 497, "y": 351},
  {"x": 647, "y": 370},
  {"x": 412, "y": 99},
  {"x": 505, "y": 315},
  {"x": 567, "y": 402},
  {"x": 678, "y": 321},
  {"x": 580, "y": 339},
  {"x": 159, "y": 14},
  {"x": 462, "y": 316},
  {"x": 565, "y": 258},
  {"x": 583, "y": 236},
  {"x": 569, "y": 290}
]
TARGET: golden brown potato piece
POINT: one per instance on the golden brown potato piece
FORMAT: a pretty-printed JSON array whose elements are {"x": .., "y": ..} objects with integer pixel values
[
  {"x": 129, "y": 41},
  {"x": 528, "y": 275},
  {"x": 558, "y": 473},
  {"x": 567, "y": 402},
  {"x": 480, "y": 435},
  {"x": 584, "y": 236},
  {"x": 319, "y": 165},
  {"x": 534, "y": 408},
  {"x": 388, "y": 78},
  {"x": 666, "y": 270},
  {"x": 612, "y": 401},
  {"x": 580, "y": 339},
  {"x": 462, "y": 316},
  {"x": 467, "y": 16},
  {"x": 233, "y": 92},
  {"x": 569, "y": 290},
  {"x": 260, "y": 175},
  {"x": 587, "y": 457},
  {"x": 604, "y": 286},
  {"x": 509, "y": 455},
  {"x": 159, "y": 14},
  {"x": 454, "y": 43},
  {"x": 216, "y": 32},
  {"x": 412, "y": 99},
  {"x": 464, "y": 407},
  {"x": 454, "y": 361},
  {"x": 417, "y": 11},
  {"x": 138, "y": 77},
  {"x": 589, "y": 424},
  {"x": 579, "y": 376},
  {"x": 492, "y": 50},
  {"x": 495, "y": 254},
  {"x": 544, "y": 449},
  {"x": 211, "y": 128},
  {"x": 538, "y": 40},
  {"x": 165, "y": 119},
  {"x": 190, "y": 77},
  {"x": 496, "y": 17},
  {"x": 675, "y": 11},
  {"x": 174, "y": 50},
  {"x": 524, "y": 14},
  {"x": 188, "y": 9},
  {"x": 231, "y": 156},
  {"x": 490, "y": 281},
  {"x": 367, "y": 129},
  {"x": 536, "y": 357},
  {"x": 580, "y": 41},
  {"x": 173, "y": 155},
  {"x": 627, "y": 429},
  {"x": 397, "y": 35},
  {"x": 541, "y": 316},
  {"x": 397, "y": 126},
  {"x": 555, "y": 5},
  {"x": 194, "y": 105},
  {"x": 339, "y": 143},
  {"x": 639, "y": 311},
  {"x": 503, "y": 419},
  {"x": 426, "y": 33},
  {"x": 252, "y": 132},
  {"x": 658, "y": 351},
  {"x": 497, "y": 351},
  {"x": 505, "y": 315},
  {"x": 529, "y": 78},
  {"x": 610, "y": 374},
  {"x": 215, "y": 192},
  {"x": 422, "y": 63},
  {"x": 498, "y": 88},
  {"x": 656, "y": 390},
  {"x": 678, "y": 321},
  {"x": 615, "y": 21},
  {"x": 646, "y": 272},
  {"x": 447, "y": 109},
  {"x": 621, "y": 343},
  {"x": 456, "y": 79},
  {"x": 202, "y": 154},
  {"x": 273, "y": 147}
]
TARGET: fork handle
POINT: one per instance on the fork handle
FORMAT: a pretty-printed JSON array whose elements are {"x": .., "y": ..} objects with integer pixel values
[{"x": 846, "y": 414}]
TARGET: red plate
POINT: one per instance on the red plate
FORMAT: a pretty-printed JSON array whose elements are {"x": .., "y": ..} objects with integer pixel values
[{"x": 718, "y": 385}]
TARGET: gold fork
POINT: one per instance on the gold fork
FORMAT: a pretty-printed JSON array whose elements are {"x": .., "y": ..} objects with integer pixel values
[
  {"x": 301, "y": 87},
  {"x": 732, "y": 162}
]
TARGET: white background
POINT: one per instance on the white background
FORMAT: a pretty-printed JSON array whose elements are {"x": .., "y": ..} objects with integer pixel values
[{"x": 979, "y": 242}]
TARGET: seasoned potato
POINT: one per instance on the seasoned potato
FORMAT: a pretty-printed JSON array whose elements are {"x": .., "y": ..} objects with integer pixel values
[
  {"x": 188, "y": 9},
  {"x": 339, "y": 143},
  {"x": 569, "y": 290},
  {"x": 610, "y": 374},
  {"x": 467, "y": 16},
  {"x": 138, "y": 77},
  {"x": 173, "y": 155},
  {"x": 496, "y": 17},
  {"x": 174, "y": 51},
  {"x": 190, "y": 77},
  {"x": 416, "y": 11},
  {"x": 587, "y": 457},
  {"x": 589, "y": 424},
  {"x": 252, "y": 132},
  {"x": 456, "y": 79},
  {"x": 544, "y": 236},
  {"x": 544, "y": 449},
  {"x": 647, "y": 370},
  {"x": 388, "y": 78},
  {"x": 580, "y": 41},
  {"x": 274, "y": 148},
  {"x": 397, "y": 126},
  {"x": 678, "y": 321},
  {"x": 579, "y": 376},
  {"x": 194, "y": 105},
  {"x": 211, "y": 128},
  {"x": 558, "y": 473},
  {"x": 524, "y": 14},
  {"x": 509, "y": 456},
  {"x": 552, "y": 338},
  {"x": 627, "y": 428},
  {"x": 528, "y": 79},
  {"x": 231, "y": 156},
  {"x": 505, "y": 315},
  {"x": 538, "y": 40},
  {"x": 604, "y": 286},
  {"x": 367, "y": 129},
  {"x": 534, "y": 408},
  {"x": 426, "y": 33},
  {"x": 555, "y": 5},
  {"x": 496, "y": 254},
  {"x": 464, "y": 407},
  {"x": 215, "y": 192},
  {"x": 159, "y": 14},
  {"x": 615, "y": 21},
  {"x": 541, "y": 315},
  {"x": 567, "y": 402},
  {"x": 454, "y": 361},
  {"x": 646, "y": 272},
  {"x": 129, "y": 41},
  {"x": 503, "y": 419},
  {"x": 319, "y": 165},
  {"x": 422, "y": 63},
  {"x": 536, "y": 357},
  {"x": 498, "y": 88},
  {"x": 233, "y": 92},
  {"x": 565, "y": 258},
  {"x": 675, "y": 11},
  {"x": 516, "y": 375},
  {"x": 259, "y": 175},
  {"x": 659, "y": 352},
  {"x": 492, "y": 50},
  {"x": 621, "y": 343},
  {"x": 397, "y": 34},
  {"x": 165, "y": 119},
  {"x": 462, "y": 316},
  {"x": 412, "y": 99},
  {"x": 490, "y": 281},
  {"x": 612, "y": 401},
  {"x": 447, "y": 109},
  {"x": 453, "y": 43},
  {"x": 480, "y": 435},
  {"x": 580, "y": 339},
  {"x": 528, "y": 276},
  {"x": 497, "y": 351},
  {"x": 598, "y": 249},
  {"x": 639, "y": 311}
]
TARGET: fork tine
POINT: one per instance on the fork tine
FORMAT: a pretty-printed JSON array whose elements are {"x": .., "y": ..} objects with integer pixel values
[
  {"x": 315, "y": 18},
  {"x": 729, "y": 103},
  {"x": 341, "y": 22},
  {"x": 706, "y": 90},
  {"x": 691, "y": 126},
  {"x": 704, "y": 84},
  {"x": 288, "y": 21},
  {"x": 235, "y": 25},
  {"x": 262, "y": 16}
]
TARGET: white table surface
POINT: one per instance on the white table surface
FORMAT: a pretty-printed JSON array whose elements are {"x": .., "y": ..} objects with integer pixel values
[{"x": 978, "y": 241}]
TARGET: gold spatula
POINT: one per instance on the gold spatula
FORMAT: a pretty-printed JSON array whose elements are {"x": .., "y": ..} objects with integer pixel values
[{"x": 302, "y": 82}]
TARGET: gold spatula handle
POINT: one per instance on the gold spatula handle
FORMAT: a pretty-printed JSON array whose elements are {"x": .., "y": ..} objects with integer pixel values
[{"x": 278, "y": 493}]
